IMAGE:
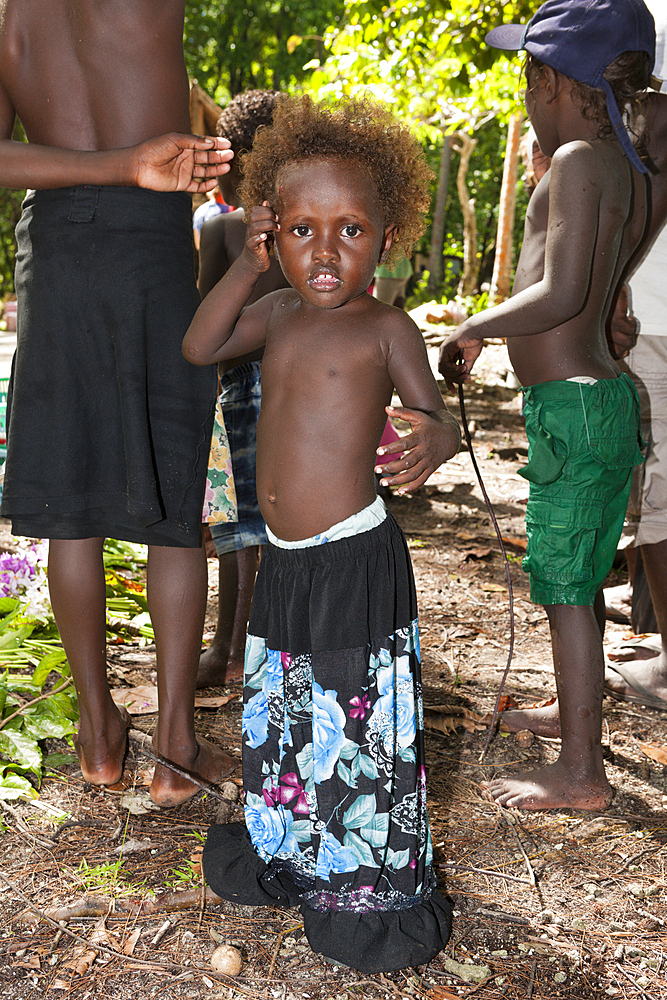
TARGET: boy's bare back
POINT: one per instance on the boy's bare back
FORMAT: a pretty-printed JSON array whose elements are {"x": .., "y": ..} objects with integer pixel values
[
  {"x": 585, "y": 219},
  {"x": 92, "y": 74}
]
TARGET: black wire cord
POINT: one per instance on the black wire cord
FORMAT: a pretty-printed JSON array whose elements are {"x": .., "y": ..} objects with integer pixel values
[{"x": 466, "y": 432}]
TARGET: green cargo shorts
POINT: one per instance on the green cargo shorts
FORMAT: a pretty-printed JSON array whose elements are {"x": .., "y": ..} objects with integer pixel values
[{"x": 584, "y": 441}]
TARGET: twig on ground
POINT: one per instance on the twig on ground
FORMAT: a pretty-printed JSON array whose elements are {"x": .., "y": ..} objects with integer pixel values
[
  {"x": 501, "y": 915},
  {"x": 283, "y": 934},
  {"x": 510, "y": 822},
  {"x": 22, "y": 828},
  {"x": 202, "y": 901},
  {"x": 102, "y": 949},
  {"x": 641, "y": 992},
  {"x": 136, "y": 736},
  {"x": 161, "y": 933},
  {"x": 484, "y": 871},
  {"x": 98, "y": 906},
  {"x": 77, "y": 822},
  {"x": 531, "y": 984},
  {"x": 29, "y": 704}
]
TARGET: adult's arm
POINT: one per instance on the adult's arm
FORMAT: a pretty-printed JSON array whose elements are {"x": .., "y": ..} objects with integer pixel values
[{"x": 172, "y": 162}]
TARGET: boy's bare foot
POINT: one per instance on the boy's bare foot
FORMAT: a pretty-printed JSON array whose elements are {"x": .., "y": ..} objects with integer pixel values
[
  {"x": 209, "y": 765},
  {"x": 216, "y": 669},
  {"x": 553, "y": 787},
  {"x": 101, "y": 756},
  {"x": 543, "y": 721}
]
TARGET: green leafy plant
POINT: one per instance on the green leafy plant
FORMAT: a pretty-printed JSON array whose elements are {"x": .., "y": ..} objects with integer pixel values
[{"x": 37, "y": 698}]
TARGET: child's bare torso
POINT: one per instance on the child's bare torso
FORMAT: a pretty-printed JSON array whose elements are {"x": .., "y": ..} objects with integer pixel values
[
  {"x": 92, "y": 74},
  {"x": 325, "y": 383},
  {"x": 579, "y": 346}
]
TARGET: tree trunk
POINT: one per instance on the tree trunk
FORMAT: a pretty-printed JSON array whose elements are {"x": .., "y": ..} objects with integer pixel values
[
  {"x": 435, "y": 262},
  {"x": 468, "y": 282},
  {"x": 500, "y": 283}
]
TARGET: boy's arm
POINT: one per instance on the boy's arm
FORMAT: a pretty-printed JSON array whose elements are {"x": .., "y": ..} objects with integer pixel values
[
  {"x": 171, "y": 162},
  {"x": 575, "y": 191},
  {"x": 221, "y": 329},
  {"x": 434, "y": 435},
  {"x": 213, "y": 259}
]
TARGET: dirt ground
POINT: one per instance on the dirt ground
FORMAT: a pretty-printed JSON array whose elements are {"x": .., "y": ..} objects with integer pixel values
[{"x": 546, "y": 905}]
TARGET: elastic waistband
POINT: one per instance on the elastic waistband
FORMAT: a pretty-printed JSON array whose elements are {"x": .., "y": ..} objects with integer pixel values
[
  {"x": 563, "y": 390},
  {"x": 240, "y": 372},
  {"x": 362, "y": 546},
  {"x": 364, "y": 520}
]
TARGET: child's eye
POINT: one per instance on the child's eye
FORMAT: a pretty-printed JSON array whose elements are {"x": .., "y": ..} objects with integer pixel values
[
  {"x": 351, "y": 230},
  {"x": 302, "y": 230}
]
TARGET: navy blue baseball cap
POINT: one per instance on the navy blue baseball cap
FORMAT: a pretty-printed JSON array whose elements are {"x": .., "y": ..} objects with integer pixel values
[{"x": 580, "y": 38}]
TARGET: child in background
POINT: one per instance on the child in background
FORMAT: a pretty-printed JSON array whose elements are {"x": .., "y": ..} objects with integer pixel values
[
  {"x": 586, "y": 59},
  {"x": 334, "y": 778},
  {"x": 238, "y": 544}
]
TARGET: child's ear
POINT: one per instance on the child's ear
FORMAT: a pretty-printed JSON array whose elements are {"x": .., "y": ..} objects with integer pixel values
[
  {"x": 552, "y": 81},
  {"x": 389, "y": 235}
]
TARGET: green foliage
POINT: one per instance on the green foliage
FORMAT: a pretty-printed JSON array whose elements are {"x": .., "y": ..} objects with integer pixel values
[
  {"x": 428, "y": 57},
  {"x": 235, "y": 45},
  {"x": 34, "y": 663}
]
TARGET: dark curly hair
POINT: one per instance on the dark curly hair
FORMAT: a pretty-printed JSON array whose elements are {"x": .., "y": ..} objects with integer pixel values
[
  {"x": 628, "y": 75},
  {"x": 359, "y": 129},
  {"x": 243, "y": 116}
]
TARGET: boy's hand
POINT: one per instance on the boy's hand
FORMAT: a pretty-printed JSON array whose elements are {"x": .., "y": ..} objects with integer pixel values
[
  {"x": 262, "y": 223},
  {"x": 177, "y": 162},
  {"x": 432, "y": 440},
  {"x": 457, "y": 356}
]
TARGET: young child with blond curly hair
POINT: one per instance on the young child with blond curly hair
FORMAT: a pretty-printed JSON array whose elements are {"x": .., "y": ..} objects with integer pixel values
[{"x": 333, "y": 753}]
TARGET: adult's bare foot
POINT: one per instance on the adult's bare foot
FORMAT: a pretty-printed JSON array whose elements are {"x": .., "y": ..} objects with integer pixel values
[
  {"x": 543, "y": 721},
  {"x": 641, "y": 682},
  {"x": 209, "y": 765},
  {"x": 101, "y": 754},
  {"x": 216, "y": 669},
  {"x": 553, "y": 787},
  {"x": 639, "y": 647}
]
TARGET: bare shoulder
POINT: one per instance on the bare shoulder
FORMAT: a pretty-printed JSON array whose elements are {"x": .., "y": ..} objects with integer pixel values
[
  {"x": 580, "y": 157},
  {"x": 395, "y": 328}
]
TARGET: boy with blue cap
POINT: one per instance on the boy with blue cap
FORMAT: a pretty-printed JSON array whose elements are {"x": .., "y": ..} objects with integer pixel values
[{"x": 586, "y": 60}]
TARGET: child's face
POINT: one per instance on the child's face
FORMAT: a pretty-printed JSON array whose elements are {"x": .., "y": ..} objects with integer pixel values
[{"x": 332, "y": 230}]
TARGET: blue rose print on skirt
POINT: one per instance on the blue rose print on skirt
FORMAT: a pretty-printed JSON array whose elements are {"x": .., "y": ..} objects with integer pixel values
[{"x": 335, "y": 781}]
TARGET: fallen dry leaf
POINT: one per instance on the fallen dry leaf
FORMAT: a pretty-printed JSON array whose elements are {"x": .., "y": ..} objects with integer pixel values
[
  {"x": 215, "y": 702},
  {"x": 130, "y": 944},
  {"x": 446, "y": 718},
  {"x": 29, "y": 963},
  {"x": 655, "y": 753},
  {"x": 516, "y": 543},
  {"x": 140, "y": 700},
  {"x": 484, "y": 553}
]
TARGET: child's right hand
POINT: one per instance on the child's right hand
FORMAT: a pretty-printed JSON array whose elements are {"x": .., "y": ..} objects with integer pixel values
[{"x": 262, "y": 223}]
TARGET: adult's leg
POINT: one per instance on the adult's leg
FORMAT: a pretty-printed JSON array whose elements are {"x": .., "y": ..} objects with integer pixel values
[
  {"x": 577, "y": 780},
  {"x": 177, "y": 586},
  {"x": 222, "y": 662},
  {"x": 650, "y": 674},
  {"x": 78, "y": 599}
]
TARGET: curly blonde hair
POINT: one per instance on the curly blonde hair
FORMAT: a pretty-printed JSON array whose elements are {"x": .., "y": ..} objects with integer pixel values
[{"x": 359, "y": 129}]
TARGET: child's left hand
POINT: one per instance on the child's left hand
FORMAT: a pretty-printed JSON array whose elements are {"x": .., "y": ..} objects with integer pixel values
[
  {"x": 430, "y": 443},
  {"x": 459, "y": 345}
]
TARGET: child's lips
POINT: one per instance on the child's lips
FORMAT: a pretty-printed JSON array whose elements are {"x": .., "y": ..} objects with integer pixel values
[{"x": 325, "y": 280}]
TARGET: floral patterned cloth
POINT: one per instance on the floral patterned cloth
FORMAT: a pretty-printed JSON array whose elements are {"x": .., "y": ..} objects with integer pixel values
[
  {"x": 333, "y": 761},
  {"x": 220, "y": 495}
]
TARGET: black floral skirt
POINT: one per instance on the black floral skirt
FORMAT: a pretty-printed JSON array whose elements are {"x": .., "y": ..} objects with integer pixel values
[{"x": 333, "y": 756}]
